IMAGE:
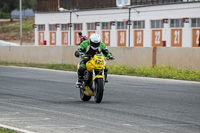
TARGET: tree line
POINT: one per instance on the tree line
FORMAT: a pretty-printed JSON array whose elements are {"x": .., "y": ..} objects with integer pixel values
[{"x": 7, "y": 6}]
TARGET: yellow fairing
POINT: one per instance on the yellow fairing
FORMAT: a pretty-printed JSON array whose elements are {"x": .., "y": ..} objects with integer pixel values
[
  {"x": 97, "y": 62},
  {"x": 98, "y": 76},
  {"x": 88, "y": 91}
]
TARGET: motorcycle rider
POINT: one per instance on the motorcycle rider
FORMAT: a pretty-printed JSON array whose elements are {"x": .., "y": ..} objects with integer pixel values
[
  {"x": 82, "y": 38},
  {"x": 91, "y": 47}
]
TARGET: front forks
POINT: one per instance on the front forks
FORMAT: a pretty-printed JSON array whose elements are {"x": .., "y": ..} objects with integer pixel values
[
  {"x": 93, "y": 75},
  {"x": 93, "y": 81}
]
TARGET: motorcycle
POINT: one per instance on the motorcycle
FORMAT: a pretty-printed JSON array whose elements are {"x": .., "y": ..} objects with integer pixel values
[{"x": 93, "y": 81}]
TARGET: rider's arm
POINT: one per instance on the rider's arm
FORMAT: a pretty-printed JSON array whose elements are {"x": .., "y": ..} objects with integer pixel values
[
  {"x": 81, "y": 48},
  {"x": 104, "y": 50}
]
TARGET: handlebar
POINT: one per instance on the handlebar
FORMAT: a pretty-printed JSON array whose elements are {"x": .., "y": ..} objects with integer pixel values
[
  {"x": 108, "y": 58},
  {"x": 82, "y": 55}
]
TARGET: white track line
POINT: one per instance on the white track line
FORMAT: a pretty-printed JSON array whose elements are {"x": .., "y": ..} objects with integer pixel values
[
  {"x": 16, "y": 129},
  {"x": 55, "y": 127}
]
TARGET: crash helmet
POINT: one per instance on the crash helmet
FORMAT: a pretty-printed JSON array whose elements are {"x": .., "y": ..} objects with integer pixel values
[{"x": 95, "y": 40}]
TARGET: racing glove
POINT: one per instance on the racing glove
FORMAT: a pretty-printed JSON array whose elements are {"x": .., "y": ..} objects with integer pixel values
[
  {"x": 79, "y": 54},
  {"x": 111, "y": 57}
]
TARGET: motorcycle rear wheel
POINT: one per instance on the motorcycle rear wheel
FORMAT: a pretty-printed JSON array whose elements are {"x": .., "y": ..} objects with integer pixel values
[
  {"x": 83, "y": 96},
  {"x": 99, "y": 88}
]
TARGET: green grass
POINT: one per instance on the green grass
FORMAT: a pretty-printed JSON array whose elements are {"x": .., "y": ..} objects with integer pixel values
[
  {"x": 14, "y": 26},
  {"x": 4, "y": 130},
  {"x": 156, "y": 72},
  {"x": 65, "y": 67}
]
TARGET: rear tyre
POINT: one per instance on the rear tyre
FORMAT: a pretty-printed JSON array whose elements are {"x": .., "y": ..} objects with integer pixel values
[
  {"x": 99, "y": 87},
  {"x": 83, "y": 96}
]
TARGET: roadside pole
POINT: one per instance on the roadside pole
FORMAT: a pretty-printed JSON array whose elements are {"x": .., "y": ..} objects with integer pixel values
[
  {"x": 70, "y": 27},
  {"x": 20, "y": 5},
  {"x": 129, "y": 28}
]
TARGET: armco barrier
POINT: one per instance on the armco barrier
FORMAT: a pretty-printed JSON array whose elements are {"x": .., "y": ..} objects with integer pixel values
[{"x": 175, "y": 57}]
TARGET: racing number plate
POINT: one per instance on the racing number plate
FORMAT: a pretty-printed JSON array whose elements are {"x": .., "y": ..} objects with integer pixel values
[{"x": 99, "y": 62}]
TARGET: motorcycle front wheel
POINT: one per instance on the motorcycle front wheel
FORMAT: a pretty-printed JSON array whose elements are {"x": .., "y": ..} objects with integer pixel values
[
  {"x": 83, "y": 96},
  {"x": 98, "y": 92}
]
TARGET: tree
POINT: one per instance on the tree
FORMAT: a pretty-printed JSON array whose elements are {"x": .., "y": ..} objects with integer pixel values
[
  {"x": 29, "y": 4},
  {"x": 8, "y": 6}
]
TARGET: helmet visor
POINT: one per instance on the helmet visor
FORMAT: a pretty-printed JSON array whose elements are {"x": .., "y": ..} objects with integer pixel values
[{"x": 95, "y": 45}]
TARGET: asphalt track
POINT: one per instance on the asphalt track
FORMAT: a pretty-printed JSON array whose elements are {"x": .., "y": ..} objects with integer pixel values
[{"x": 46, "y": 101}]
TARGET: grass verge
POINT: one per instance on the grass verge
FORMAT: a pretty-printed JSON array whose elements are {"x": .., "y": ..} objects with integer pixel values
[
  {"x": 4, "y": 130},
  {"x": 65, "y": 67},
  {"x": 14, "y": 26},
  {"x": 156, "y": 72}
]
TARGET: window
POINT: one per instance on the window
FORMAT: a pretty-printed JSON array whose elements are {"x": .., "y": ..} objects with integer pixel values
[
  {"x": 138, "y": 24},
  {"x": 156, "y": 24},
  {"x": 78, "y": 26},
  {"x": 105, "y": 26},
  {"x": 121, "y": 25},
  {"x": 195, "y": 22},
  {"x": 64, "y": 27},
  {"x": 175, "y": 23},
  {"x": 41, "y": 27},
  {"x": 91, "y": 26},
  {"x": 52, "y": 27}
]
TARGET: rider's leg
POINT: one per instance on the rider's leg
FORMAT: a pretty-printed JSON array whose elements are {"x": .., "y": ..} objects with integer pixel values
[
  {"x": 106, "y": 72},
  {"x": 80, "y": 71}
]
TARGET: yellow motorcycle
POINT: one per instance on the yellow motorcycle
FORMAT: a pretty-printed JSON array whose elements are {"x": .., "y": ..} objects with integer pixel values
[{"x": 94, "y": 78}]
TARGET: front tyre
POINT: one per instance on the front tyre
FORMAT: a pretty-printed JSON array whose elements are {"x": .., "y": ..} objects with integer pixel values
[
  {"x": 99, "y": 87},
  {"x": 83, "y": 96}
]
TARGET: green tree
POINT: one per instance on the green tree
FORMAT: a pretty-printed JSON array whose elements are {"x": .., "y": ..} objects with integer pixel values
[
  {"x": 8, "y": 6},
  {"x": 29, "y": 4}
]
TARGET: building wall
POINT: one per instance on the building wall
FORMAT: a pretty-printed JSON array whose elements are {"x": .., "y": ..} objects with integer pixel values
[
  {"x": 173, "y": 11},
  {"x": 47, "y": 5},
  {"x": 87, "y": 4},
  {"x": 51, "y": 5}
]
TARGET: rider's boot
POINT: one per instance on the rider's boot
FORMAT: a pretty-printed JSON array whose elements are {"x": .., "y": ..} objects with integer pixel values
[{"x": 105, "y": 73}]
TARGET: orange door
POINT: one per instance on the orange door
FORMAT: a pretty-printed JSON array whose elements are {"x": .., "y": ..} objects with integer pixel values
[
  {"x": 195, "y": 37},
  {"x": 138, "y": 38},
  {"x": 156, "y": 38},
  {"x": 176, "y": 37},
  {"x": 106, "y": 37},
  {"x": 77, "y": 39},
  {"x": 121, "y": 38},
  {"x": 90, "y": 33},
  {"x": 64, "y": 38},
  {"x": 52, "y": 38},
  {"x": 41, "y": 38}
]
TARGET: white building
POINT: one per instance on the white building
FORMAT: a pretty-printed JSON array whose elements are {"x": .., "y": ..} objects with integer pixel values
[{"x": 170, "y": 25}]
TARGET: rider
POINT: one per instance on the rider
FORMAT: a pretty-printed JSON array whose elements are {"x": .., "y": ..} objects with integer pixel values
[
  {"x": 82, "y": 38},
  {"x": 91, "y": 47}
]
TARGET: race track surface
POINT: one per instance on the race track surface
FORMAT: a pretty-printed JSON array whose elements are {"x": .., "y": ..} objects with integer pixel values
[{"x": 46, "y": 101}]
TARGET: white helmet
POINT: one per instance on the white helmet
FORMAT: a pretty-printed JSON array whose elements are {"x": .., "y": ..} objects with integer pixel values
[{"x": 95, "y": 40}]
